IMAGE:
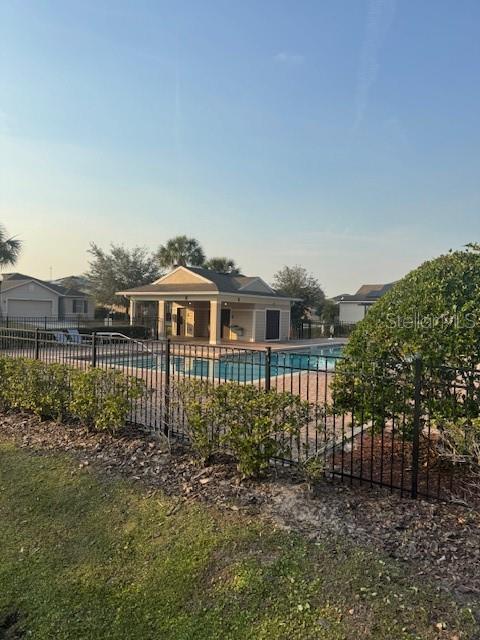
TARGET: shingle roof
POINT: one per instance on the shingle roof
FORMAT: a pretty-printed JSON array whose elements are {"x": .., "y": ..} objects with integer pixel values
[
  {"x": 367, "y": 293},
  {"x": 218, "y": 283},
  {"x": 62, "y": 291}
]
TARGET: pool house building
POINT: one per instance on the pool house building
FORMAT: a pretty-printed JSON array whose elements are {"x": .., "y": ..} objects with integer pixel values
[{"x": 196, "y": 303}]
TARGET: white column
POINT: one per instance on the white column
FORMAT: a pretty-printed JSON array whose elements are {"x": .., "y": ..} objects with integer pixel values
[
  {"x": 215, "y": 321},
  {"x": 132, "y": 310},
  {"x": 161, "y": 320},
  {"x": 254, "y": 326}
]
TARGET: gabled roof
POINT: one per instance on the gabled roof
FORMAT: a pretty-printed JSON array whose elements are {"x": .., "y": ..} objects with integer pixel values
[
  {"x": 207, "y": 281},
  {"x": 367, "y": 293},
  {"x": 12, "y": 280}
]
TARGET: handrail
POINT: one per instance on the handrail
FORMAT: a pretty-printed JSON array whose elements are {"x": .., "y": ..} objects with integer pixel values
[{"x": 122, "y": 335}]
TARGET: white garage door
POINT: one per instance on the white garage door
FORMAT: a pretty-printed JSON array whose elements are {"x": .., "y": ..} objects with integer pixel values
[{"x": 30, "y": 308}]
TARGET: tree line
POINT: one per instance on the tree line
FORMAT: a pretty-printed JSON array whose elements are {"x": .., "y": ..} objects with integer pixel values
[{"x": 120, "y": 268}]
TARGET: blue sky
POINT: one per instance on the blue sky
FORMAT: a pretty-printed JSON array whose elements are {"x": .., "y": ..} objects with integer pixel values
[{"x": 342, "y": 135}]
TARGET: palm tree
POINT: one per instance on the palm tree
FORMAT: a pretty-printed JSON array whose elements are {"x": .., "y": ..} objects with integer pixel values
[
  {"x": 181, "y": 251},
  {"x": 223, "y": 265},
  {"x": 9, "y": 248}
]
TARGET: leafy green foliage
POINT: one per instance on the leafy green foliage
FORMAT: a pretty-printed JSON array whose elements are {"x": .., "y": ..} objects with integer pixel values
[
  {"x": 222, "y": 265},
  {"x": 253, "y": 424},
  {"x": 298, "y": 283},
  {"x": 328, "y": 311},
  {"x": 180, "y": 250},
  {"x": 118, "y": 270},
  {"x": 99, "y": 398},
  {"x": 199, "y": 403},
  {"x": 313, "y": 469},
  {"x": 433, "y": 312},
  {"x": 32, "y": 385},
  {"x": 260, "y": 424},
  {"x": 9, "y": 248}
]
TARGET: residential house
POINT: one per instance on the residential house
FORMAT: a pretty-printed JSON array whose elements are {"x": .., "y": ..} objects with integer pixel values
[
  {"x": 23, "y": 296},
  {"x": 353, "y": 308}
]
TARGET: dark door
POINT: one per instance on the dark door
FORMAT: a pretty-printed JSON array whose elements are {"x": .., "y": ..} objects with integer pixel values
[
  {"x": 272, "y": 329},
  {"x": 180, "y": 321},
  {"x": 225, "y": 322}
]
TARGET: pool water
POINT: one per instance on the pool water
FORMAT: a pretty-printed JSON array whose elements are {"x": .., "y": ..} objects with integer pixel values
[{"x": 244, "y": 366}]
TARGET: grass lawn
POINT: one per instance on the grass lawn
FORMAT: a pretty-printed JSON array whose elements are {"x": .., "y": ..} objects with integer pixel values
[{"x": 84, "y": 556}]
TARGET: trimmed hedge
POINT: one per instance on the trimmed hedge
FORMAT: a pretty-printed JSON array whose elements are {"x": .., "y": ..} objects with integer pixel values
[{"x": 100, "y": 399}]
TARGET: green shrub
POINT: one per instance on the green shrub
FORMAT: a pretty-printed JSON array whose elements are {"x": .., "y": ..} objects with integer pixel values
[
  {"x": 434, "y": 311},
  {"x": 53, "y": 391},
  {"x": 253, "y": 424},
  {"x": 101, "y": 398},
  {"x": 313, "y": 470},
  {"x": 260, "y": 424},
  {"x": 33, "y": 385},
  {"x": 98, "y": 398},
  {"x": 198, "y": 401}
]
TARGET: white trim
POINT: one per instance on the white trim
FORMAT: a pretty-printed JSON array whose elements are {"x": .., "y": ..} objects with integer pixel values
[
  {"x": 279, "y": 319},
  {"x": 289, "y": 321},
  {"x": 358, "y": 302},
  {"x": 181, "y": 267},
  {"x": 254, "y": 325},
  {"x": 228, "y": 296},
  {"x": 178, "y": 294}
]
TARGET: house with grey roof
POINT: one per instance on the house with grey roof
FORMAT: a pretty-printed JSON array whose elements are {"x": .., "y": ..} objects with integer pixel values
[
  {"x": 23, "y": 296},
  {"x": 200, "y": 303},
  {"x": 353, "y": 308}
]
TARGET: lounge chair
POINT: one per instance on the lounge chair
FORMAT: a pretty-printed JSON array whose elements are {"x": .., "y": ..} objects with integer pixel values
[
  {"x": 75, "y": 336},
  {"x": 61, "y": 337}
]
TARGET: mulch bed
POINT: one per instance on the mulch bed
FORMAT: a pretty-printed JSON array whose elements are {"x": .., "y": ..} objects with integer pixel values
[
  {"x": 439, "y": 541},
  {"x": 387, "y": 461}
]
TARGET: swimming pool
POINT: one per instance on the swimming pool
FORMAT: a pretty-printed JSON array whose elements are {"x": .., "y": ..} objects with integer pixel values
[{"x": 241, "y": 366}]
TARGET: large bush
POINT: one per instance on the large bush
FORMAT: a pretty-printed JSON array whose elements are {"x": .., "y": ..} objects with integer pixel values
[{"x": 433, "y": 313}]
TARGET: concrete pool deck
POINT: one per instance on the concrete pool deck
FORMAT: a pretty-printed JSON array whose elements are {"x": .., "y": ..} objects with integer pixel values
[{"x": 285, "y": 345}]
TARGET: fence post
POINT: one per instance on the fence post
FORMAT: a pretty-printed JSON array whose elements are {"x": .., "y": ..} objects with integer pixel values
[
  {"x": 417, "y": 419},
  {"x": 37, "y": 343},
  {"x": 94, "y": 349},
  {"x": 45, "y": 323},
  {"x": 166, "y": 425},
  {"x": 268, "y": 368}
]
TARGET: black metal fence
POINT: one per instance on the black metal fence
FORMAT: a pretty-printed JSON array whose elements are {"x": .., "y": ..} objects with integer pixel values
[
  {"x": 309, "y": 329},
  {"x": 43, "y": 322},
  {"x": 385, "y": 429}
]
